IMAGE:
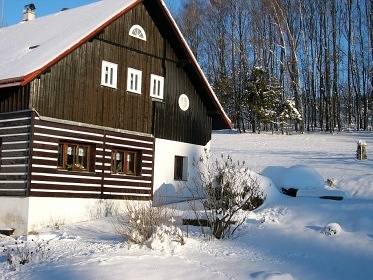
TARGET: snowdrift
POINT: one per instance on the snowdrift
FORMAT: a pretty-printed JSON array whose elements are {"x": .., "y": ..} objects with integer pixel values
[{"x": 301, "y": 181}]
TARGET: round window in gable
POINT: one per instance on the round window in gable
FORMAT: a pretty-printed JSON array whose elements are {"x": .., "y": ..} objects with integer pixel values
[{"x": 184, "y": 102}]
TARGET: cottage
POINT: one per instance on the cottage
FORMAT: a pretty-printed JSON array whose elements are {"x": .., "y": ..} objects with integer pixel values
[{"x": 98, "y": 104}]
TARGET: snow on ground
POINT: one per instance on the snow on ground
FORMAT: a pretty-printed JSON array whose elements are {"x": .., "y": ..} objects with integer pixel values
[{"x": 286, "y": 238}]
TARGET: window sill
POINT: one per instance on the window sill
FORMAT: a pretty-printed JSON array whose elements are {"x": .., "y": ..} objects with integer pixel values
[
  {"x": 109, "y": 86},
  {"x": 126, "y": 175},
  {"x": 134, "y": 92},
  {"x": 180, "y": 180},
  {"x": 75, "y": 171},
  {"x": 156, "y": 99}
]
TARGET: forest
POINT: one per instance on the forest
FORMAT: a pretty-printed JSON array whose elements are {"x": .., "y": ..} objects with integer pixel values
[{"x": 285, "y": 65}]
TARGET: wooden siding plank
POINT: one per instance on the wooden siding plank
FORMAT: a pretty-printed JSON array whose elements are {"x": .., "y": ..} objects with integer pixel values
[
  {"x": 15, "y": 133},
  {"x": 12, "y": 185},
  {"x": 127, "y": 197},
  {"x": 41, "y": 193},
  {"x": 62, "y": 187},
  {"x": 14, "y": 168},
  {"x": 12, "y": 192}
]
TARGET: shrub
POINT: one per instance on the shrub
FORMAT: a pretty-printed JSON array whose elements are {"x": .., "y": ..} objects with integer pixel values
[
  {"x": 23, "y": 252},
  {"x": 226, "y": 189},
  {"x": 165, "y": 238},
  {"x": 141, "y": 220}
]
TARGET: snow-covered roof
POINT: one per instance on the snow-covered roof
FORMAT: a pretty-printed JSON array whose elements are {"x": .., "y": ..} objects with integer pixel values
[{"x": 29, "y": 46}]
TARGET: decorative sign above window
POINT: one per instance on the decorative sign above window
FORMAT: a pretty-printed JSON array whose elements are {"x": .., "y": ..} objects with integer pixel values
[
  {"x": 184, "y": 102},
  {"x": 138, "y": 32}
]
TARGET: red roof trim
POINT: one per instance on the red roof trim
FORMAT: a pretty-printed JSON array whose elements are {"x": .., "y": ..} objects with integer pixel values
[
  {"x": 29, "y": 77},
  {"x": 11, "y": 81}
]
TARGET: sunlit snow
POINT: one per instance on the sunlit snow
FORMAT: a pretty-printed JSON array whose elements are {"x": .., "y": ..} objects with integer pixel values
[{"x": 287, "y": 238}]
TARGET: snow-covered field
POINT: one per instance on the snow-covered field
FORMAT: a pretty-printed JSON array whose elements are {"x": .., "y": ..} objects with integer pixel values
[{"x": 283, "y": 239}]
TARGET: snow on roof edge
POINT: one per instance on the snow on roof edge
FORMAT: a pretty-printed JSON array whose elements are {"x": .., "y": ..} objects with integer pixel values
[{"x": 28, "y": 75}]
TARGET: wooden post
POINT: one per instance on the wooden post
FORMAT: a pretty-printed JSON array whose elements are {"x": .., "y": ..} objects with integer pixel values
[{"x": 361, "y": 152}]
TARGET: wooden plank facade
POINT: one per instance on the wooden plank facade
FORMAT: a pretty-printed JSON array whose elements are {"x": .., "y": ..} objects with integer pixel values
[
  {"x": 14, "y": 153},
  {"x": 66, "y": 107},
  {"x": 71, "y": 88},
  {"x": 33, "y": 169}
]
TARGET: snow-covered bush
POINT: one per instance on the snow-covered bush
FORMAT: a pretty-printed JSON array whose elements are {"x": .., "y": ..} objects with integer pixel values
[
  {"x": 332, "y": 229},
  {"x": 23, "y": 252},
  {"x": 166, "y": 238},
  {"x": 226, "y": 189},
  {"x": 140, "y": 220}
]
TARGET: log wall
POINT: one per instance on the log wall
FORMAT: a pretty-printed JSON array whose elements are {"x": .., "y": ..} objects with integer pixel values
[
  {"x": 14, "y": 153},
  {"x": 31, "y": 169}
]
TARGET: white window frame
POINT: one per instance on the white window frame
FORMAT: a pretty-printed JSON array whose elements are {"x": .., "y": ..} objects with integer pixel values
[
  {"x": 138, "y": 32},
  {"x": 156, "y": 86},
  {"x": 134, "y": 80},
  {"x": 109, "y": 74}
]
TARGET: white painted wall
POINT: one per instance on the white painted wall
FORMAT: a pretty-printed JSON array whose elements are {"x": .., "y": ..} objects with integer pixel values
[
  {"x": 166, "y": 189},
  {"x": 51, "y": 211},
  {"x": 32, "y": 213},
  {"x": 14, "y": 214}
]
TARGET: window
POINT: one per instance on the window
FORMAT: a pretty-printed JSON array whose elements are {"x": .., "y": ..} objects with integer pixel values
[
  {"x": 156, "y": 86},
  {"x": 181, "y": 168},
  {"x": 109, "y": 74},
  {"x": 126, "y": 162},
  {"x": 134, "y": 80},
  {"x": 74, "y": 157},
  {"x": 184, "y": 102},
  {"x": 138, "y": 32}
]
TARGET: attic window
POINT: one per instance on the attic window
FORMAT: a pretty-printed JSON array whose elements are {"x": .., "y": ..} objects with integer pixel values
[
  {"x": 138, "y": 32},
  {"x": 134, "y": 77},
  {"x": 156, "y": 86},
  {"x": 109, "y": 74}
]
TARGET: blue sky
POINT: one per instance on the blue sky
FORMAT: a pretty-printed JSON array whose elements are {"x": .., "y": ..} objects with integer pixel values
[{"x": 11, "y": 10}]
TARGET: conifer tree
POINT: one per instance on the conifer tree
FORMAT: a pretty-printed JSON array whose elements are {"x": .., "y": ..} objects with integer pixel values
[{"x": 263, "y": 99}]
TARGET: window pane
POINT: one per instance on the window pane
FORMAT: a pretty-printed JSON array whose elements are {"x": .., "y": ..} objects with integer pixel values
[
  {"x": 178, "y": 172},
  {"x": 159, "y": 88},
  {"x": 70, "y": 154},
  {"x": 130, "y": 163},
  {"x": 131, "y": 82},
  {"x": 111, "y": 75},
  {"x": 154, "y": 87},
  {"x": 82, "y": 158},
  {"x": 106, "y": 75},
  {"x": 117, "y": 162}
]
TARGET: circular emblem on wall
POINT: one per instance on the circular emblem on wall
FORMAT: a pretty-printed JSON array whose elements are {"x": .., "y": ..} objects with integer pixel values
[{"x": 183, "y": 102}]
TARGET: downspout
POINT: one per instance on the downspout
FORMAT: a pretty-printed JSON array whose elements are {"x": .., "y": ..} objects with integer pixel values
[
  {"x": 103, "y": 166},
  {"x": 31, "y": 140},
  {"x": 30, "y": 155}
]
